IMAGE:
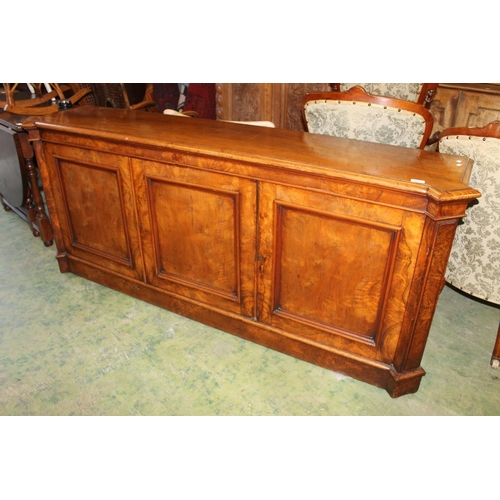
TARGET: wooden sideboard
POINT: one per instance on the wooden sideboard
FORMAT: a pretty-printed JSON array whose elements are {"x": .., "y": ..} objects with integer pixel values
[{"x": 329, "y": 250}]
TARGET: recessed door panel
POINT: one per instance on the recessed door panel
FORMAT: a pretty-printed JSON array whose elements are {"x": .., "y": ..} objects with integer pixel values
[
  {"x": 331, "y": 271},
  {"x": 196, "y": 235},
  {"x": 94, "y": 208}
]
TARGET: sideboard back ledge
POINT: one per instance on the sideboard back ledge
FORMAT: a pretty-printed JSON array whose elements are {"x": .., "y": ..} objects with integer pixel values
[{"x": 326, "y": 249}]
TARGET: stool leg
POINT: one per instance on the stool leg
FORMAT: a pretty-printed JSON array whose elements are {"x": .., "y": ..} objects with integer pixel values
[{"x": 495, "y": 358}]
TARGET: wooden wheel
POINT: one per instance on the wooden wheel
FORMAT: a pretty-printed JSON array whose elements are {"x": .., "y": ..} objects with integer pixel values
[{"x": 39, "y": 105}]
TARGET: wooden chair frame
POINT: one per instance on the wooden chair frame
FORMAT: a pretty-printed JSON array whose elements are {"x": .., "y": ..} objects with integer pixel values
[
  {"x": 427, "y": 93},
  {"x": 490, "y": 130}
]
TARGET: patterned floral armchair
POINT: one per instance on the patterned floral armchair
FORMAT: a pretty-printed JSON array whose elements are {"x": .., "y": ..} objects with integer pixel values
[
  {"x": 421, "y": 93},
  {"x": 356, "y": 114},
  {"x": 474, "y": 264}
]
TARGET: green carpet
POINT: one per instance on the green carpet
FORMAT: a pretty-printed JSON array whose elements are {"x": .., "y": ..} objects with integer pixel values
[{"x": 71, "y": 347}]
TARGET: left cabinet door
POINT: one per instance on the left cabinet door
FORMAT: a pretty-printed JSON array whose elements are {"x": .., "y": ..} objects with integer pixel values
[{"x": 93, "y": 200}]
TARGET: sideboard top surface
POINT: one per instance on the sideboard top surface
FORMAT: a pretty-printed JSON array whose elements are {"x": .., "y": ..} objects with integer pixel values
[{"x": 446, "y": 176}]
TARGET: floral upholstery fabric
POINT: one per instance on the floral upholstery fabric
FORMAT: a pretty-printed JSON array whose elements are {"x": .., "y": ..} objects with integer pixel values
[
  {"x": 405, "y": 91},
  {"x": 474, "y": 264},
  {"x": 365, "y": 122}
]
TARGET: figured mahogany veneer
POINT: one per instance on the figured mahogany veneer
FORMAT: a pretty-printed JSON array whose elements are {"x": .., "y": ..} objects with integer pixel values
[{"x": 318, "y": 247}]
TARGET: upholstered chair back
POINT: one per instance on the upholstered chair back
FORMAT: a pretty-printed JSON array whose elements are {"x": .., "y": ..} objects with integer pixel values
[
  {"x": 474, "y": 264},
  {"x": 358, "y": 115},
  {"x": 405, "y": 91}
]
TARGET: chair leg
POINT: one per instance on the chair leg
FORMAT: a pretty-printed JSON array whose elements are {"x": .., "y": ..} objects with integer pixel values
[{"x": 495, "y": 358}]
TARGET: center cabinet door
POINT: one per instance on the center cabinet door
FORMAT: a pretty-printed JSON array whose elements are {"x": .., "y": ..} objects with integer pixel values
[
  {"x": 335, "y": 270},
  {"x": 199, "y": 234}
]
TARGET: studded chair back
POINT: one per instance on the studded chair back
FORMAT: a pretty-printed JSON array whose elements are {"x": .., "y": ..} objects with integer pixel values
[
  {"x": 420, "y": 93},
  {"x": 355, "y": 114},
  {"x": 474, "y": 264}
]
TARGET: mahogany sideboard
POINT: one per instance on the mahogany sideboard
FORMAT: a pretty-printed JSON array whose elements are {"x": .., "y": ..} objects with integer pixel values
[{"x": 326, "y": 249}]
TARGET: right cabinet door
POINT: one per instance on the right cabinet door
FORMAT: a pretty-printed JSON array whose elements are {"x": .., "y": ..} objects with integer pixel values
[{"x": 335, "y": 271}]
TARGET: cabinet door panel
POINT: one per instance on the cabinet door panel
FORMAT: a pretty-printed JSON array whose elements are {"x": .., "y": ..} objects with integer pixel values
[
  {"x": 199, "y": 234},
  {"x": 336, "y": 271},
  {"x": 314, "y": 272},
  {"x": 93, "y": 198}
]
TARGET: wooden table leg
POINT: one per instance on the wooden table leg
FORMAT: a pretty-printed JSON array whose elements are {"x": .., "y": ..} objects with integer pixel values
[
  {"x": 495, "y": 358},
  {"x": 30, "y": 207},
  {"x": 41, "y": 220}
]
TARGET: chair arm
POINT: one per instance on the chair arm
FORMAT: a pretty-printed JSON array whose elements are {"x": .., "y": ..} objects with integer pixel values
[{"x": 433, "y": 138}]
